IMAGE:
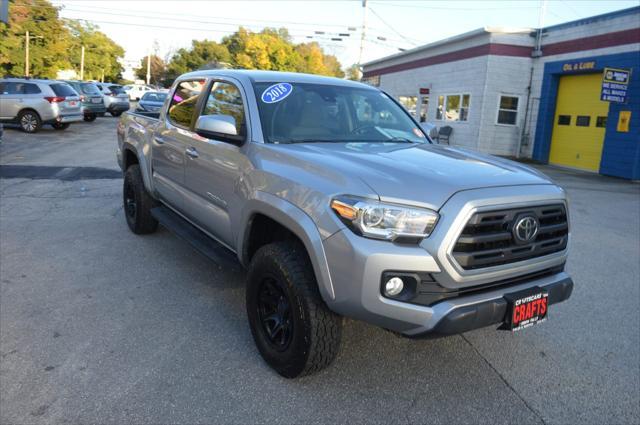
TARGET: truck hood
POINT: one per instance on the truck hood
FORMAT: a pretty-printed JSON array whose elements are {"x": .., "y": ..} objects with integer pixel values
[{"x": 424, "y": 174}]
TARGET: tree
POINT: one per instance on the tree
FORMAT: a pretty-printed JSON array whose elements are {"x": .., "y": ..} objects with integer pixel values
[
  {"x": 48, "y": 50},
  {"x": 101, "y": 54},
  {"x": 354, "y": 73},
  {"x": 204, "y": 53},
  {"x": 158, "y": 69},
  {"x": 273, "y": 49}
]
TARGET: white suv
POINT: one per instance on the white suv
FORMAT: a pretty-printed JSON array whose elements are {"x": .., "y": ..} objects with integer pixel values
[
  {"x": 136, "y": 91},
  {"x": 32, "y": 103}
]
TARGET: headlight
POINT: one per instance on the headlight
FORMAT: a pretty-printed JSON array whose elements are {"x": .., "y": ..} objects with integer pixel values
[{"x": 379, "y": 220}]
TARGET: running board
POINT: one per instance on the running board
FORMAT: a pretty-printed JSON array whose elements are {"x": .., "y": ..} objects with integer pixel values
[{"x": 204, "y": 244}]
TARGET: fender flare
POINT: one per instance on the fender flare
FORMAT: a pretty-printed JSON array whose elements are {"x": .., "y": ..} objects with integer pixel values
[
  {"x": 299, "y": 223},
  {"x": 142, "y": 161}
]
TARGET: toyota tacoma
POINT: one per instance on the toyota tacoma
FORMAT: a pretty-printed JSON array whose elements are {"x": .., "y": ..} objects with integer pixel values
[{"x": 338, "y": 204}]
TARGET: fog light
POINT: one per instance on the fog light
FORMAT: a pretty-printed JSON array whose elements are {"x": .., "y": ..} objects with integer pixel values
[{"x": 393, "y": 287}]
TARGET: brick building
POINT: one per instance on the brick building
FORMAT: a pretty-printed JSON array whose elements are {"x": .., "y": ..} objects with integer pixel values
[{"x": 529, "y": 93}]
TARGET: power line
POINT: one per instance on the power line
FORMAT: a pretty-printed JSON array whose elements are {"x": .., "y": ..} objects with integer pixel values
[
  {"x": 462, "y": 9},
  {"x": 390, "y": 27}
]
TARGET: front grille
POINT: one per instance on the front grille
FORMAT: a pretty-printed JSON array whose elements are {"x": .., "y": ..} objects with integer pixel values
[{"x": 488, "y": 238}]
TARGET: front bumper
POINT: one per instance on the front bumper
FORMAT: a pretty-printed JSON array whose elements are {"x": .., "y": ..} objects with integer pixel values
[{"x": 356, "y": 266}]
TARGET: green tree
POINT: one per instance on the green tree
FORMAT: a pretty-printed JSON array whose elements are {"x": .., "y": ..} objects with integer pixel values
[
  {"x": 101, "y": 54},
  {"x": 157, "y": 71},
  {"x": 48, "y": 50},
  {"x": 204, "y": 53},
  {"x": 354, "y": 73}
]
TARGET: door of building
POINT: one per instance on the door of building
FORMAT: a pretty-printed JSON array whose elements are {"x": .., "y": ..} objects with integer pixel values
[{"x": 579, "y": 123}]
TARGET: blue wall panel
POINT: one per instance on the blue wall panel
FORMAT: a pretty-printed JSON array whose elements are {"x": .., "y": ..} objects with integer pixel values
[{"x": 621, "y": 151}]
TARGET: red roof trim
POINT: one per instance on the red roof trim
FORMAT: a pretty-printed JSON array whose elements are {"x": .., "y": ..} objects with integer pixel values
[
  {"x": 586, "y": 43},
  {"x": 594, "y": 42},
  {"x": 471, "y": 52}
]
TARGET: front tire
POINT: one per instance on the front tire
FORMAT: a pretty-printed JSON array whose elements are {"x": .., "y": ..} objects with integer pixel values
[
  {"x": 293, "y": 328},
  {"x": 90, "y": 117},
  {"x": 61, "y": 125},
  {"x": 116, "y": 113},
  {"x": 29, "y": 121},
  {"x": 138, "y": 203}
]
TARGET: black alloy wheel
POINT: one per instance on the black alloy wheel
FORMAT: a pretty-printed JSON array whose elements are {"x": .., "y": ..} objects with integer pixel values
[{"x": 274, "y": 310}]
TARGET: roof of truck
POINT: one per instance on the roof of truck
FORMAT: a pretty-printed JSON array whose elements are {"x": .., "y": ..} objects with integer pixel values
[{"x": 276, "y": 77}]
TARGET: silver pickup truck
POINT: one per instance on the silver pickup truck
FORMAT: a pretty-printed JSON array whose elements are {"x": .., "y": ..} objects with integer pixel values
[{"x": 338, "y": 204}]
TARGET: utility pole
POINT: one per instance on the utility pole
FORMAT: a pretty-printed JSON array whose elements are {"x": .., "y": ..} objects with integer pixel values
[
  {"x": 26, "y": 54},
  {"x": 149, "y": 66},
  {"x": 82, "y": 63},
  {"x": 364, "y": 31}
]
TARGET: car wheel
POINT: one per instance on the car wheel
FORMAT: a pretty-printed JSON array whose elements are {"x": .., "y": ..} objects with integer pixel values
[
  {"x": 116, "y": 113},
  {"x": 61, "y": 125},
  {"x": 138, "y": 203},
  {"x": 90, "y": 117},
  {"x": 29, "y": 121},
  {"x": 293, "y": 328}
]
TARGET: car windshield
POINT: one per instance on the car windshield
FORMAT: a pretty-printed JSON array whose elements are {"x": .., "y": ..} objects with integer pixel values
[
  {"x": 62, "y": 89},
  {"x": 307, "y": 113},
  {"x": 89, "y": 88},
  {"x": 116, "y": 89},
  {"x": 154, "y": 97}
]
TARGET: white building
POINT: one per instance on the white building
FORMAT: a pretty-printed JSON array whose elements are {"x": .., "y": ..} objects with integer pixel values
[{"x": 528, "y": 93}]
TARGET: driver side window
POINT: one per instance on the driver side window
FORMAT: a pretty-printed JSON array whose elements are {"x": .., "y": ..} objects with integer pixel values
[{"x": 225, "y": 99}]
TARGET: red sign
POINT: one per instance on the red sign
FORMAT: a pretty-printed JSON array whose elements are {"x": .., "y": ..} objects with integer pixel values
[{"x": 424, "y": 91}]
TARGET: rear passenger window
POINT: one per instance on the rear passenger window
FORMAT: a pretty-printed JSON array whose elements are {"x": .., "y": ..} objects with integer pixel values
[
  {"x": 183, "y": 102},
  {"x": 564, "y": 119},
  {"x": 225, "y": 99},
  {"x": 31, "y": 89}
]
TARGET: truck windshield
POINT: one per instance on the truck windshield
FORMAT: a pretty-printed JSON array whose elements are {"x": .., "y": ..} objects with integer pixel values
[{"x": 309, "y": 113}]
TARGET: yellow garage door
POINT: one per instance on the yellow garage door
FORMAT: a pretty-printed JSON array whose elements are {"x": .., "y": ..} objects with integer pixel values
[{"x": 580, "y": 121}]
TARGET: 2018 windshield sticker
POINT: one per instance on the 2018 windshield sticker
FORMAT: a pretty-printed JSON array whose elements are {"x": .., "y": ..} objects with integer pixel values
[{"x": 276, "y": 92}]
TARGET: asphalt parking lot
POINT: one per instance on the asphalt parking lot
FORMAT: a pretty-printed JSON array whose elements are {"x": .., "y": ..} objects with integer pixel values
[{"x": 100, "y": 325}]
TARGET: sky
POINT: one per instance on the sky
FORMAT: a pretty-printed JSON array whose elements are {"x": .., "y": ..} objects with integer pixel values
[{"x": 165, "y": 26}]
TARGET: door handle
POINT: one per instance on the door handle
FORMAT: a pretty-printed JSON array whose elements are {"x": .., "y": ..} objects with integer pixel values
[
  {"x": 159, "y": 140},
  {"x": 192, "y": 153}
]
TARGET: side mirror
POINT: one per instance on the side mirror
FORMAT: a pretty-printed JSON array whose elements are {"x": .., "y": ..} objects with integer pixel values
[{"x": 218, "y": 127}]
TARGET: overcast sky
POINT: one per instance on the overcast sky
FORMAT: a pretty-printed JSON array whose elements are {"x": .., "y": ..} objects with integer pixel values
[{"x": 392, "y": 24}]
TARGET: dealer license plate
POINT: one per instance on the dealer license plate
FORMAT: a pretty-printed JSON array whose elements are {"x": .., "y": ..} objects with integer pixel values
[
  {"x": 526, "y": 308},
  {"x": 72, "y": 103},
  {"x": 96, "y": 100}
]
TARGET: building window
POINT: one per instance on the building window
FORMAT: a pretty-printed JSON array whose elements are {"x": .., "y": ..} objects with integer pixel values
[
  {"x": 601, "y": 121},
  {"x": 564, "y": 119},
  {"x": 453, "y": 107},
  {"x": 409, "y": 103},
  {"x": 440, "y": 107},
  {"x": 508, "y": 110},
  {"x": 583, "y": 120}
]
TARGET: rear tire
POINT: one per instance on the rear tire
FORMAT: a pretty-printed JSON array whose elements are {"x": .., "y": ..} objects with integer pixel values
[
  {"x": 90, "y": 117},
  {"x": 138, "y": 203},
  {"x": 61, "y": 125},
  {"x": 29, "y": 121},
  {"x": 293, "y": 328}
]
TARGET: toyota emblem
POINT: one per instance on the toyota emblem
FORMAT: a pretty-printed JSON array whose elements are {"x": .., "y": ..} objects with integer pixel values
[{"x": 526, "y": 229}]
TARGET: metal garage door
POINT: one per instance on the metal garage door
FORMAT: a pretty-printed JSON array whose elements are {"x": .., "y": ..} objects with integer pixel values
[{"x": 580, "y": 121}]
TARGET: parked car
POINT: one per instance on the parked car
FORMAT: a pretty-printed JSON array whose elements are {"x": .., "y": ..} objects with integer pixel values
[
  {"x": 136, "y": 91},
  {"x": 115, "y": 99},
  {"x": 91, "y": 97},
  {"x": 32, "y": 103},
  {"x": 338, "y": 204},
  {"x": 151, "y": 101}
]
